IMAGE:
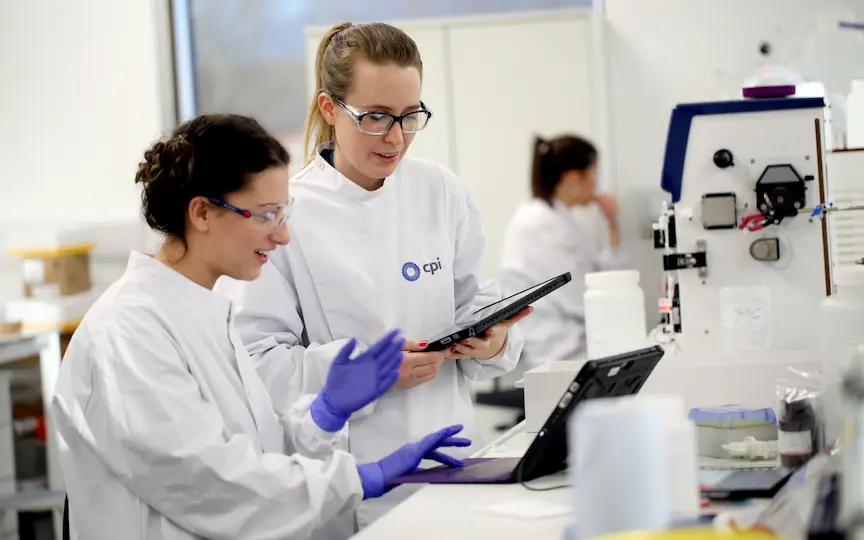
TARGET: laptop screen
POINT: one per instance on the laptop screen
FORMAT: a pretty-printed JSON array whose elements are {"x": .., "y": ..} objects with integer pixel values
[{"x": 615, "y": 376}]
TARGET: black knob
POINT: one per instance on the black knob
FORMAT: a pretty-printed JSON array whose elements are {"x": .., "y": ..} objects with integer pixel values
[
  {"x": 723, "y": 158},
  {"x": 765, "y": 48}
]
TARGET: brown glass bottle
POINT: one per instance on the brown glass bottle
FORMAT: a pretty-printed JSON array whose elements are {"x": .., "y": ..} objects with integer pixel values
[{"x": 798, "y": 434}]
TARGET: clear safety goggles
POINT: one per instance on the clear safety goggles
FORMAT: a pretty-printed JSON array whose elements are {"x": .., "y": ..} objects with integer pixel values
[
  {"x": 275, "y": 216},
  {"x": 378, "y": 123}
]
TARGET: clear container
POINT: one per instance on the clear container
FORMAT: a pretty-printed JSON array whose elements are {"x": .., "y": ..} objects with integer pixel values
[
  {"x": 842, "y": 325},
  {"x": 852, "y": 446},
  {"x": 614, "y": 313},
  {"x": 719, "y": 426},
  {"x": 855, "y": 115}
]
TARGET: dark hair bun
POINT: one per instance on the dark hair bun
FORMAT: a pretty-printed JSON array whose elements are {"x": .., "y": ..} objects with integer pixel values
[
  {"x": 165, "y": 173},
  {"x": 209, "y": 156}
]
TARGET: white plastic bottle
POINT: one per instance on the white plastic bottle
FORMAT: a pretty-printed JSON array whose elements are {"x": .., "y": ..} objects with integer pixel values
[
  {"x": 614, "y": 313},
  {"x": 855, "y": 115},
  {"x": 852, "y": 451},
  {"x": 842, "y": 326}
]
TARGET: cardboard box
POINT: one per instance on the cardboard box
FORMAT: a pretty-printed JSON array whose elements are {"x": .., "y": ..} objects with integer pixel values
[
  {"x": 544, "y": 387},
  {"x": 52, "y": 275},
  {"x": 55, "y": 260}
]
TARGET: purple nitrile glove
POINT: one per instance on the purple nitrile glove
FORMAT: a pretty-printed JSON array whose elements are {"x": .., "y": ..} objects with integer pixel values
[
  {"x": 374, "y": 476},
  {"x": 353, "y": 384}
]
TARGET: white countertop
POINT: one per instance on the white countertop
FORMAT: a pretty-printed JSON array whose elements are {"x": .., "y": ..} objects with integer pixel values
[
  {"x": 451, "y": 511},
  {"x": 457, "y": 511}
]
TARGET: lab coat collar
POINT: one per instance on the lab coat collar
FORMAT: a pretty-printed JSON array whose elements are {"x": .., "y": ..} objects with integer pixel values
[
  {"x": 566, "y": 213},
  {"x": 560, "y": 206},
  {"x": 146, "y": 269},
  {"x": 340, "y": 183}
]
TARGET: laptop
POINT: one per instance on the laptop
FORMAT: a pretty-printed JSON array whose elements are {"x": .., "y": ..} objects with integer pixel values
[{"x": 615, "y": 376}]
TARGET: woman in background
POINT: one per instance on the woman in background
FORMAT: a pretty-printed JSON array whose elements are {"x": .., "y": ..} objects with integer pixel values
[{"x": 544, "y": 239}]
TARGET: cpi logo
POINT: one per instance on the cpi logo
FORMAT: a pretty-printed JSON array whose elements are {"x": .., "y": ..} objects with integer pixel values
[{"x": 412, "y": 271}]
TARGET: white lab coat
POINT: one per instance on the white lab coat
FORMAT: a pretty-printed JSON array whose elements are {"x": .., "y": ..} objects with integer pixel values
[
  {"x": 167, "y": 432},
  {"x": 541, "y": 242},
  {"x": 342, "y": 276}
]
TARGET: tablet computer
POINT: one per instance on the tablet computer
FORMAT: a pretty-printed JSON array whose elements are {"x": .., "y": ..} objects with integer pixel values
[
  {"x": 488, "y": 316},
  {"x": 614, "y": 376}
]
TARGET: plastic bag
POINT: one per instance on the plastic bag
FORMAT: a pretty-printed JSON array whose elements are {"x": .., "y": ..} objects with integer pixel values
[
  {"x": 789, "y": 514},
  {"x": 800, "y": 418}
]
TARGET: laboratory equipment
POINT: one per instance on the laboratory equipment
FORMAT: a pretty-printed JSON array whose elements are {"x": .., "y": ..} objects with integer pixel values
[
  {"x": 750, "y": 448},
  {"x": 614, "y": 313},
  {"x": 717, "y": 427},
  {"x": 745, "y": 268}
]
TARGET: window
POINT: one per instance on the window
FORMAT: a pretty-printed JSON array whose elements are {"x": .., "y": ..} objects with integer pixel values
[{"x": 249, "y": 57}]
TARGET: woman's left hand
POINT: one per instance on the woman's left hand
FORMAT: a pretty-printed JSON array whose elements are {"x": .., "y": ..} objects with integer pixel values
[{"x": 490, "y": 343}]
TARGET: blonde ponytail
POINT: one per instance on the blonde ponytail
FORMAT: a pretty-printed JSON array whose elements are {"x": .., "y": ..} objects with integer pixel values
[
  {"x": 379, "y": 43},
  {"x": 318, "y": 131}
]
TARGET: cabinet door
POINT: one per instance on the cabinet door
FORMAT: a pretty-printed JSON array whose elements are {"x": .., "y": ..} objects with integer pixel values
[
  {"x": 512, "y": 81},
  {"x": 433, "y": 143}
]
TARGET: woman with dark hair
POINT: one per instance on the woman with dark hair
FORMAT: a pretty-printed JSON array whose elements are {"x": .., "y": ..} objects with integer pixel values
[
  {"x": 544, "y": 239},
  {"x": 166, "y": 430}
]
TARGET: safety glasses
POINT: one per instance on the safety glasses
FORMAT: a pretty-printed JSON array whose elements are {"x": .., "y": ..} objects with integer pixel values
[
  {"x": 378, "y": 123},
  {"x": 275, "y": 217}
]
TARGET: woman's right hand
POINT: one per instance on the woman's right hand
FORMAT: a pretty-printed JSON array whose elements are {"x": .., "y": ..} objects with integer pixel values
[
  {"x": 418, "y": 367},
  {"x": 609, "y": 207}
]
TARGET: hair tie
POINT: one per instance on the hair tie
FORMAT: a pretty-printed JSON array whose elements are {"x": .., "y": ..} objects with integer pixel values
[{"x": 543, "y": 147}]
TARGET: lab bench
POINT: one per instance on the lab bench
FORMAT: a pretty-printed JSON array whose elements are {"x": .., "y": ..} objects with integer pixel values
[
  {"x": 45, "y": 346},
  {"x": 500, "y": 511},
  {"x": 460, "y": 511}
]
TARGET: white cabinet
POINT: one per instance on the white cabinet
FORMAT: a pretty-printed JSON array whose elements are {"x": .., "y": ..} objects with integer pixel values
[
  {"x": 47, "y": 347},
  {"x": 493, "y": 83}
]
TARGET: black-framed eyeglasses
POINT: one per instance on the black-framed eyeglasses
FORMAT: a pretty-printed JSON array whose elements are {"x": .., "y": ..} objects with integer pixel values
[
  {"x": 379, "y": 123},
  {"x": 275, "y": 217}
]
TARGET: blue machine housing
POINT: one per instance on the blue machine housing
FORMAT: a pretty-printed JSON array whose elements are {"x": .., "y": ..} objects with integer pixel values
[{"x": 682, "y": 118}]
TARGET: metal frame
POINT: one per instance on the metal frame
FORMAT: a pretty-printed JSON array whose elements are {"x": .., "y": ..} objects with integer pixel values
[{"x": 47, "y": 346}]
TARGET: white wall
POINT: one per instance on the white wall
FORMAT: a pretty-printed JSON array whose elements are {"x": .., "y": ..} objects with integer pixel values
[
  {"x": 86, "y": 87},
  {"x": 493, "y": 82},
  {"x": 661, "y": 53}
]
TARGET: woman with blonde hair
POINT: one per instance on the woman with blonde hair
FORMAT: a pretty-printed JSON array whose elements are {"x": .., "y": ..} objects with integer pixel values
[{"x": 380, "y": 240}]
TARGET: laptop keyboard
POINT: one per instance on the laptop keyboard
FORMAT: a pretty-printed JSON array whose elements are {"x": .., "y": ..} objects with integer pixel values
[{"x": 488, "y": 468}]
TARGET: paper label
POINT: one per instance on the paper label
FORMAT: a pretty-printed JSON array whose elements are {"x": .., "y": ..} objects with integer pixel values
[
  {"x": 665, "y": 305},
  {"x": 795, "y": 443},
  {"x": 745, "y": 316},
  {"x": 33, "y": 271}
]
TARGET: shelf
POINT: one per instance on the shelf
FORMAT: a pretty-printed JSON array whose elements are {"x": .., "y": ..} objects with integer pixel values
[
  {"x": 19, "y": 347},
  {"x": 33, "y": 501},
  {"x": 46, "y": 347}
]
